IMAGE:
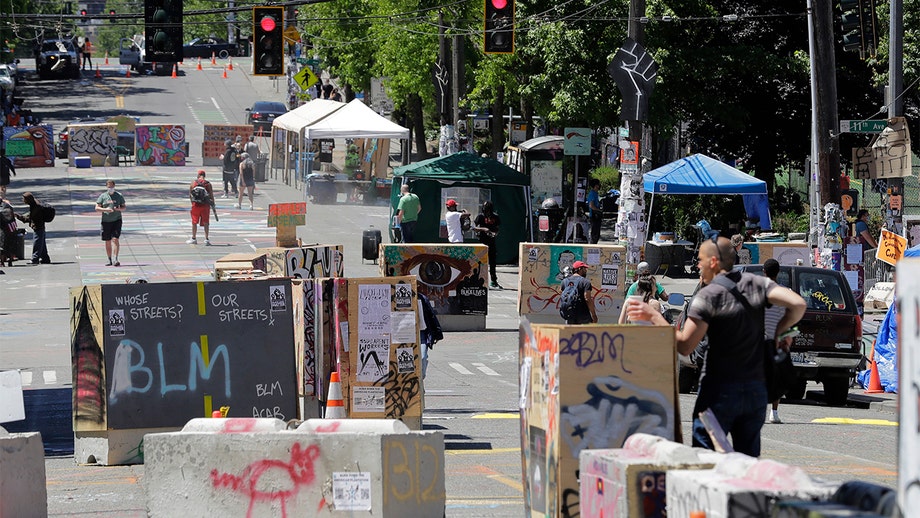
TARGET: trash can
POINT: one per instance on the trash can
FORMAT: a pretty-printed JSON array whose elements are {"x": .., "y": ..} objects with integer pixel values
[
  {"x": 261, "y": 162},
  {"x": 548, "y": 222},
  {"x": 322, "y": 189}
]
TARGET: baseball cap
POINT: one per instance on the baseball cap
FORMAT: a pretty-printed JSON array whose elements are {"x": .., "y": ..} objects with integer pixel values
[
  {"x": 643, "y": 267},
  {"x": 451, "y": 203},
  {"x": 579, "y": 264}
]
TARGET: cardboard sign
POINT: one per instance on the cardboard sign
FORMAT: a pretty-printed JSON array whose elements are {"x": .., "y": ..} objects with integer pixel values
[
  {"x": 888, "y": 156},
  {"x": 287, "y": 214},
  {"x": 890, "y": 247}
]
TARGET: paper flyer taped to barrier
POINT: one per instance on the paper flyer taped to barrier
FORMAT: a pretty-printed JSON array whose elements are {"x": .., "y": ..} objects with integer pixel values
[
  {"x": 343, "y": 328},
  {"x": 351, "y": 491},
  {"x": 368, "y": 399},
  {"x": 609, "y": 277},
  {"x": 402, "y": 324},
  {"x": 854, "y": 254},
  {"x": 593, "y": 256},
  {"x": 373, "y": 358},
  {"x": 405, "y": 360},
  {"x": 374, "y": 310}
]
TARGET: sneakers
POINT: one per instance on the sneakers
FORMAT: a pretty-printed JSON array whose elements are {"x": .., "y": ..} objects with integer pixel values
[
  {"x": 207, "y": 242},
  {"x": 495, "y": 286},
  {"x": 236, "y": 205},
  {"x": 116, "y": 263},
  {"x": 191, "y": 241},
  {"x": 250, "y": 206},
  {"x": 224, "y": 195},
  {"x": 109, "y": 263},
  {"x": 774, "y": 418}
]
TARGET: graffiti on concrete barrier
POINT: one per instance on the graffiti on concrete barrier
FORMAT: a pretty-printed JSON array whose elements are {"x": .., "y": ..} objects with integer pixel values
[
  {"x": 162, "y": 145},
  {"x": 283, "y": 479},
  {"x": 95, "y": 141},
  {"x": 31, "y": 146},
  {"x": 89, "y": 368}
]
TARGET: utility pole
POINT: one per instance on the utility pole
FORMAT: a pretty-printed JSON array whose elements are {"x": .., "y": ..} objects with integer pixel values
[
  {"x": 895, "y": 59},
  {"x": 826, "y": 145},
  {"x": 636, "y": 31}
]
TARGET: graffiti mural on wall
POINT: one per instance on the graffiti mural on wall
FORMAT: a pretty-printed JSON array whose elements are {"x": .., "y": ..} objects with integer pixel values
[
  {"x": 31, "y": 146},
  {"x": 162, "y": 145},
  {"x": 97, "y": 141},
  {"x": 315, "y": 262},
  {"x": 453, "y": 277},
  {"x": 542, "y": 271}
]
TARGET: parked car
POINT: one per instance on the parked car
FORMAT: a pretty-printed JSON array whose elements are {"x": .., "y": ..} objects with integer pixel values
[
  {"x": 829, "y": 348},
  {"x": 7, "y": 78},
  {"x": 58, "y": 58},
  {"x": 205, "y": 47},
  {"x": 263, "y": 113}
]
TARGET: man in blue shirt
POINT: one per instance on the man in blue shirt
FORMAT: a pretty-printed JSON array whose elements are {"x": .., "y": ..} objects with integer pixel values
[
  {"x": 595, "y": 214},
  {"x": 862, "y": 230}
]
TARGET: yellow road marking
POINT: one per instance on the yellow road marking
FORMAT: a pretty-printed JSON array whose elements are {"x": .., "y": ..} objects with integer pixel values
[
  {"x": 497, "y": 415},
  {"x": 119, "y": 101},
  {"x": 508, "y": 481},
  {"x": 847, "y": 420},
  {"x": 481, "y": 452},
  {"x": 479, "y": 500}
]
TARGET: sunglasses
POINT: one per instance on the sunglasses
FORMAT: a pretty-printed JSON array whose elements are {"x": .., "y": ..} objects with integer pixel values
[{"x": 715, "y": 241}]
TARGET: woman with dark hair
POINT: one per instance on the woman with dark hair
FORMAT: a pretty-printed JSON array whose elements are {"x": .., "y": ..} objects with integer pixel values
[
  {"x": 7, "y": 233},
  {"x": 862, "y": 230},
  {"x": 646, "y": 286},
  {"x": 36, "y": 219}
]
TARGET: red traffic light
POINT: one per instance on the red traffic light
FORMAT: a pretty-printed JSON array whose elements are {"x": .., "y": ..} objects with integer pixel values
[
  {"x": 82, "y": 12},
  {"x": 111, "y": 12},
  {"x": 267, "y": 23},
  {"x": 499, "y": 4}
]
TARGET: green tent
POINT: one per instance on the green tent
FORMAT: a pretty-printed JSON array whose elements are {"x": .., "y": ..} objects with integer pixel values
[{"x": 508, "y": 192}]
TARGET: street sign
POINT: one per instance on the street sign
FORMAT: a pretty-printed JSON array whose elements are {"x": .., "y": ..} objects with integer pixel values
[
  {"x": 866, "y": 126},
  {"x": 305, "y": 78},
  {"x": 576, "y": 141},
  {"x": 291, "y": 34}
]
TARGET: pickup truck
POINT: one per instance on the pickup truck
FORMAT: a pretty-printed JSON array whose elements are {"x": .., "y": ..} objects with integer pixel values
[{"x": 131, "y": 53}]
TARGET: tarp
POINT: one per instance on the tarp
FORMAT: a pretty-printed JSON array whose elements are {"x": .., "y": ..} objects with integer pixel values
[
  {"x": 885, "y": 353},
  {"x": 306, "y": 114},
  {"x": 508, "y": 192},
  {"x": 700, "y": 174},
  {"x": 354, "y": 120}
]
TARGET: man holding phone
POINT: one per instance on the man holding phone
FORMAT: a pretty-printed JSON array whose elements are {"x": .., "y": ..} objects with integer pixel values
[{"x": 730, "y": 309}]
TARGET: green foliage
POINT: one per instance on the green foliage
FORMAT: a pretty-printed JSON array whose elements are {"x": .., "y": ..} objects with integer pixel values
[
  {"x": 787, "y": 222},
  {"x": 608, "y": 176}
]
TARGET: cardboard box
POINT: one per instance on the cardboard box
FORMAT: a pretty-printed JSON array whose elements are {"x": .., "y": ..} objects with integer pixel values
[
  {"x": 539, "y": 285},
  {"x": 588, "y": 387},
  {"x": 238, "y": 266}
]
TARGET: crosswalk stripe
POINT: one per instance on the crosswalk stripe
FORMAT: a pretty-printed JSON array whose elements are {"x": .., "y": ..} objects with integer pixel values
[
  {"x": 50, "y": 377},
  {"x": 460, "y": 368},
  {"x": 486, "y": 370},
  {"x": 26, "y": 378}
]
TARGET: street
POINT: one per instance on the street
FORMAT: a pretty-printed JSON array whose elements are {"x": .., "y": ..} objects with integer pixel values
[{"x": 471, "y": 391}]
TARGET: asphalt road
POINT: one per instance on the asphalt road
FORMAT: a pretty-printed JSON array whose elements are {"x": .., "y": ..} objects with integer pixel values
[{"x": 471, "y": 389}]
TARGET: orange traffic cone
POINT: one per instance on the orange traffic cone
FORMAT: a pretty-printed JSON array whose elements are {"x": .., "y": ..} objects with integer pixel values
[
  {"x": 230, "y": 63},
  {"x": 98, "y": 74},
  {"x": 175, "y": 69},
  {"x": 335, "y": 406},
  {"x": 199, "y": 63},
  {"x": 128, "y": 72},
  {"x": 225, "y": 72},
  {"x": 213, "y": 59},
  {"x": 106, "y": 57},
  {"x": 875, "y": 383}
]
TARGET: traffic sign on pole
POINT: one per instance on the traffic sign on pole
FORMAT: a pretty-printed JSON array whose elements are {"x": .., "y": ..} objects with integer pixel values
[{"x": 863, "y": 126}]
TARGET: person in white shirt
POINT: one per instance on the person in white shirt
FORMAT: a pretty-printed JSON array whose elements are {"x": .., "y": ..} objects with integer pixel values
[{"x": 454, "y": 223}]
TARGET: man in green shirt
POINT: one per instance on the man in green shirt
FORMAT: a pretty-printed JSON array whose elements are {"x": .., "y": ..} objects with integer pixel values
[
  {"x": 407, "y": 213},
  {"x": 111, "y": 204}
]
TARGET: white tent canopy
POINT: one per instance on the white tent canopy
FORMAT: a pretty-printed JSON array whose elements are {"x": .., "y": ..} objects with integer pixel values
[
  {"x": 298, "y": 118},
  {"x": 355, "y": 120}
]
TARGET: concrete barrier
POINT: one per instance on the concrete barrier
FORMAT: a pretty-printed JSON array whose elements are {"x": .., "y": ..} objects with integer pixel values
[
  {"x": 22, "y": 475},
  {"x": 630, "y": 481},
  {"x": 369, "y": 468},
  {"x": 740, "y": 486}
]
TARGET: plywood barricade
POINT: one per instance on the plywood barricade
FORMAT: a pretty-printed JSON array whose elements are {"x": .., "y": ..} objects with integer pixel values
[
  {"x": 542, "y": 266},
  {"x": 588, "y": 387}
]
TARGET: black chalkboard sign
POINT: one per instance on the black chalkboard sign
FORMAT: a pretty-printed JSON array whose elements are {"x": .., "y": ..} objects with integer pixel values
[{"x": 175, "y": 351}]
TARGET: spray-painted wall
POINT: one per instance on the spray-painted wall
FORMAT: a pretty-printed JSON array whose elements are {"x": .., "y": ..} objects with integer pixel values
[
  {"x": 97, "y": 141},
  {"x": 160, "y": 144},
  {"x": 32, "y": 146}
]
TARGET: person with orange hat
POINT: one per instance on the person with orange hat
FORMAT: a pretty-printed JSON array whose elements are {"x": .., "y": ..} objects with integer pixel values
[{"x": 454, "y": 217}]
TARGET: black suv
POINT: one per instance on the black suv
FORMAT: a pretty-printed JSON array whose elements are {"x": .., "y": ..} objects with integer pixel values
[
  {"x": 263, "y": 113},
  {"x": 829, "y": 348},
  {"x": 58, "y": 58}
]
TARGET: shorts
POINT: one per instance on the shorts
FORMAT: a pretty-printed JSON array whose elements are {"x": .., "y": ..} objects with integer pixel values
[
  {"x": 247, "y": 182},
  {"x": 200, "y": 214},
  {"x": 111, "y": 229}
]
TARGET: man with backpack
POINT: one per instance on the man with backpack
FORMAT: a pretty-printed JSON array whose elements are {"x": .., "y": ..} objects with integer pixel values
[
  {"x": 36, "y": 218},
  {"x": 201, "y": 195},
  {"x": 231, "y": 158},
  {"x": 576, "y": 304}
]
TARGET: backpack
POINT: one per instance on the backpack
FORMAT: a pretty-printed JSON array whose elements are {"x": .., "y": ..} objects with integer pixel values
[
  {"x": 48, "y": 212},
  {"x": 570, "y": 300},
  {"x": 199, "y": 194}
]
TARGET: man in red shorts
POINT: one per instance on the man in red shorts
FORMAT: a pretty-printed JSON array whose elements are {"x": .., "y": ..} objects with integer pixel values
[{"x": 202, "y": 197}]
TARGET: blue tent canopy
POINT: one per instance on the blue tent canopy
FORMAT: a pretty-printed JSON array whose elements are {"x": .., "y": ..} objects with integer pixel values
[{"x": 700, "y": 174}]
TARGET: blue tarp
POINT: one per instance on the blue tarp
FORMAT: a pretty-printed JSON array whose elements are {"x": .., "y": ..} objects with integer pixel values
[
  {"x": 700, "y": 174},
  {"x": 885, "y": 353}
]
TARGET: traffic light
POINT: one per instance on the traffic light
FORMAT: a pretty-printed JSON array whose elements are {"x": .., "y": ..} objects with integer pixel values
[
  {"x": 112, "y": 15},
  {"x": 859, "y": 23},
  {"x": 82, "y": 15},
  {"x": 268, "y": 41},
  {"x": 163, "y": 30},
  {"x": 499, "y": 27}
]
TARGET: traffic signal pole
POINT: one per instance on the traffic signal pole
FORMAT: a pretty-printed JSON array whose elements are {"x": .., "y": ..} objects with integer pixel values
[
  {"x": 826, "y": 145},
  {"x": 895, "y": 59}
]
